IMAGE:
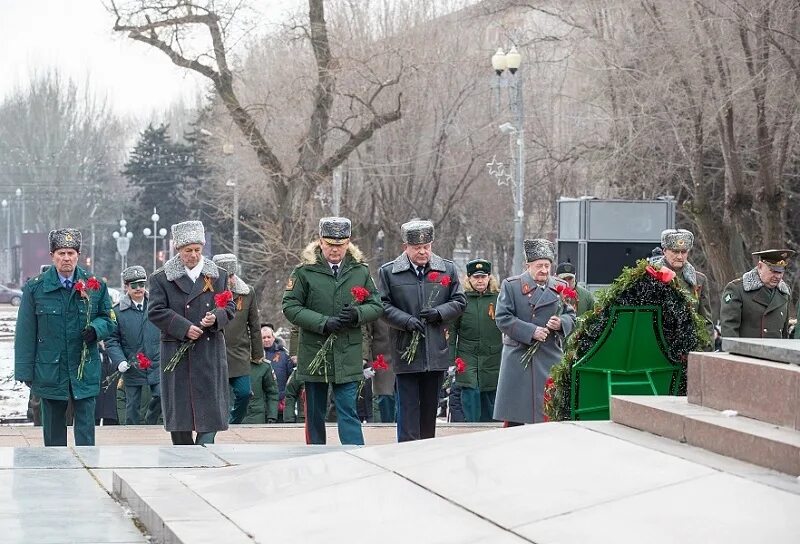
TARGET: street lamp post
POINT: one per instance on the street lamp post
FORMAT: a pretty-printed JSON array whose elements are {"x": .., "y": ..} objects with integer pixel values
[
  {"x": 123, "y": 238},
  {"x": 506, "y": 67},
  {"x": 227, "y": 150},
  {"x": 155, "y": 234},
  {"x": 7, "y": 211}
]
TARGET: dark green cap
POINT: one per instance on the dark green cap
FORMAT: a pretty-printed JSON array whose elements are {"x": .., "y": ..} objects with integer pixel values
[
  {"x": 479, "y": 267},
  {"x": 776, "y": 259}
]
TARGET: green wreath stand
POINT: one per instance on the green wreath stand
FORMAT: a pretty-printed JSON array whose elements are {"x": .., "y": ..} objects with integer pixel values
[{"x": 635, "y": 342}]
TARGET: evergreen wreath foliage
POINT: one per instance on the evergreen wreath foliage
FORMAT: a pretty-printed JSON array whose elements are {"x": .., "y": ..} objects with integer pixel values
[{"x": 684, "y": 330}]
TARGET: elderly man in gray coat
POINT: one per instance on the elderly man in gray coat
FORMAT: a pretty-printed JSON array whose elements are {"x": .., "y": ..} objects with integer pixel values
[
  {"x": 194, "y": 396},
  {"x": 530, "y": 311}
]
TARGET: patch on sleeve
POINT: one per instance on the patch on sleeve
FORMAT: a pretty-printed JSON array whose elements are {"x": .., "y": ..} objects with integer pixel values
[
  {"x": 727, "y": 298},
  {"x": 290, "y": 284},
  {"x": 113, "y": 316}
]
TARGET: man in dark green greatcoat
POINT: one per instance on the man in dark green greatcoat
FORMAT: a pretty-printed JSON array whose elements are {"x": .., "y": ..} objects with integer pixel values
[
  {"x": 757, "y": 304},
  {"x": 63, "y": 314},
  {"x": 566, "y": 271}
]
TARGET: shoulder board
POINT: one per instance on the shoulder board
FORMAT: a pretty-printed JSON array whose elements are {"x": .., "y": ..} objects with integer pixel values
[
  {"x": 513, "y": 278},
  {"x": 737, "y": 280}
]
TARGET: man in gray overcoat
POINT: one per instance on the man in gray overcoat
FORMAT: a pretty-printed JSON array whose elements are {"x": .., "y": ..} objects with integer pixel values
[
  {"x": 194, "y": 397},
  {"x": 242, "y": 337},
  {"x": 530, "y": 310},
  {"x": 136, "y": 334},
  {"x": 420, "y": 292}
]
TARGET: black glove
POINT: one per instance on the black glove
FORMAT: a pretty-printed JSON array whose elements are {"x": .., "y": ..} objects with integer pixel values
[
  {"x": 349, "y": 315},
  {"x": 431, "y": 315},
  {"x": 414, "y": 324},
  {"x": 89, "y": 335},
  {"x": 333, "y": 324}
]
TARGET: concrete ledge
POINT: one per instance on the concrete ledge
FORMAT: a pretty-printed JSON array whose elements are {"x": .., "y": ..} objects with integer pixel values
[
  {"x": 770, "y": 349},
  {"x": 742, "y": 438},
  {"x": 762, "y": 390}
]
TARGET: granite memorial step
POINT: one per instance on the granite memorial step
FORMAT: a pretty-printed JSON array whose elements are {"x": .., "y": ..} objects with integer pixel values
[
  {"x": 755, "y": 388},
  {"x": 740, "y": 437}
]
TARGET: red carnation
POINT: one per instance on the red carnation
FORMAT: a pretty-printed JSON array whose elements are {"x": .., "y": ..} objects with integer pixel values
[
  {"x": 446, "y": 281},
  {"x": 144, "y": 362},
  {"x": 433, "y": 276},
  {"x": 93, "y": 284},
  {"x": 80, "y": 286},
  {"x": 359, "y": 293},
  {"x": 222, "y": 299},
  {"x": 461, "y": 366},
  {"x": 380, "y": 363}
]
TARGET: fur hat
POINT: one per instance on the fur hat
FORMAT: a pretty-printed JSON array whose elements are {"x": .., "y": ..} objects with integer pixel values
[
  {"x": 417, "y": 232},
  {"x": 677, "y": 239},
  {"x": 539, "y": 248},
  {"x": 188, "y": 232},
  {"x": 134, "y": 273},
  {"x": 335, "y": 230},
  {"x": 228, "y": 262},
  {"x": 65, "y": 239}
]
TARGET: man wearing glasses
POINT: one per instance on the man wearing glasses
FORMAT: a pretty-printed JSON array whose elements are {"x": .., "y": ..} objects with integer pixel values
[{"x": 135, "y": 334}]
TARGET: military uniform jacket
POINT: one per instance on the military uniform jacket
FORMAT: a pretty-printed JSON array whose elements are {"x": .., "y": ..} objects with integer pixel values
[
  {"x": 48, "y": 342},
  {"x": 521, "y": 307},
  {"x": 313, "y": 295},
  {"x": 404, "y": 295},
  {"x": 748, "y": 311},
  {"x": 243, "y": 333},
  {"x": 194, "y": 397},
  {"x": 134, "y": 334},
  {"x": 477, "y": 340}
]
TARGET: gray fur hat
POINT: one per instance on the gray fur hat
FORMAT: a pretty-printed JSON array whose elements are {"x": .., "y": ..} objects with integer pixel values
[
  {"x": 134, "y": 273},
  {"x": 188, "y": 232},
  {"x": 335, "y": 230},
  {"x": 677, "y": 239},
  {"x": 65, "y": 239},
  {"x": 227, "y": 261},
  {"x": 417, "y": 232},
  {"x": 539, "y": 248}
]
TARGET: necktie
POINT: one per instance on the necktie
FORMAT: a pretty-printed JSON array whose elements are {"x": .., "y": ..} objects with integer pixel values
[
  {"x": 139, "y": 307},
  {"x": 421, "y": 272},
  {"x": 335, "y": 269},
  {"x": 68, "y": 284}
]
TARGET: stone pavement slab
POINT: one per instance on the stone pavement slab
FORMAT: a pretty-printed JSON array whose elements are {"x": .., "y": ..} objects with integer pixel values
[
  {"x": 147, "y": 457},
  {"x": 770, "y": 349}
]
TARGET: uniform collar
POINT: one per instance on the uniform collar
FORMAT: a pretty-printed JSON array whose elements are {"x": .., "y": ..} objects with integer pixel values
[
  {"x": 751, "y": 281},
  {"x": 403, "y": 263}
]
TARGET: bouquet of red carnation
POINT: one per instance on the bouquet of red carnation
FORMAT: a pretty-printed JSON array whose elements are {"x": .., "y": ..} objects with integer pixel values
[
  {"x": 144, "y": 364},
  {"x": 380, "y": 363},
  {"x": 411, "y": 351},
  {"x": 567, "y": 295},
  {"x": 663, "y": 274},
  {"x": 92, "y": 284},
  {"x": 459, "y": 367},
  {"x": 221, "y": 300},
  {"x": 317, "y": 364}
]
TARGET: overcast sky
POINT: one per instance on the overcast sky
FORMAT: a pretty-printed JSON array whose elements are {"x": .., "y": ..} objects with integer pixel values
[{"x": 76, "y": 37}]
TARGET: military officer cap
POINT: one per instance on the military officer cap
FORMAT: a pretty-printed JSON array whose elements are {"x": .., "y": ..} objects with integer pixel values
[
  {"x": 677, "y": 239},
  {"x": 65, "y": 239},
  {"x": 226, "y": 261},
  {"x": 776, "y": 259},
  {"x": 134, "y": 273},
  {"x": 188, "y": 232},
  {"x": 417, "y": 232},
  {"x": 335, "y": 230},
  {"x": 479, "y": 267},
  {"x": 539, "y": 248},
  {"x": 565, "y": 269}
]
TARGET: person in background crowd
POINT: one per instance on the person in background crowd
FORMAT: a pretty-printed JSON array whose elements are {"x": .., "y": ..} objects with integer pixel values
[
  {"x": 566, "y": 271},
  {"x": 135, "y": 335},
  {"x": 242, "y": 336},
  {"x": 279, "y": 358},
  {"x": 105, "y": 406},
  {"x": 757, "y": 304},
  {"x": 476, "y": 339},
  {"x": 263, "y": 405},
  {"x": 194, "y": 396},
  {"x": 677, "y": 243},
  {"x": 421, "y": 293},
  {"x": 383, "y": 390},
  {"x": 529, "y": 311},
  {"x": 55, "y": 344},
  {"x": 319, "y": 300},
  {"x": 294, "y": 408}
]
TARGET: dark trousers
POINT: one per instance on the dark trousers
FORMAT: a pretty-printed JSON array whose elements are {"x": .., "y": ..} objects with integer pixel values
[
  {"x": 456, "y": 408},
  {"x": 387, "y": 408},
  {"x": 344, "y": 398},
  {"x": 54, "y": 422},
  {"x": 417, "y": 401},
  {"x": 241, "y": 397},
  {"x": 184, "y": 438},
  {"x": 477, "y": 405},
  {"x": 133, "y": 401}
]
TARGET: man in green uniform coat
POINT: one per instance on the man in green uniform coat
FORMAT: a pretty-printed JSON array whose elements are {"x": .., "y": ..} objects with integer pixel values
[
  {"x": 242, "y": 337},
  {"x": 476, "y": 339},
  {"x": 566, "y": 271},
  {"x": 757, "y": 304},
  {"x": 319, "y": 299},
  {"x": 676, "y": 244},
  {"x": 63, "y": 314}
]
